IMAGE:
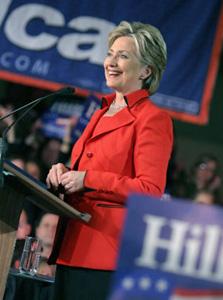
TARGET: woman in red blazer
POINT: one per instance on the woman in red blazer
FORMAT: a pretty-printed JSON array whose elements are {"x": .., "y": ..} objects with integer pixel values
[{"x": 125, "y": 148}]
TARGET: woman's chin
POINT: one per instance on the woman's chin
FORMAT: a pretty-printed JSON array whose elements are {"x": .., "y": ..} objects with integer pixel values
[{"x": 111, "y": 84}]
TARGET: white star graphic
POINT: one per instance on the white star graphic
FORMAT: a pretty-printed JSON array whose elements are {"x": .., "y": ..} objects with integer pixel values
[
  {"x": 161, "y": 285},
  {"x": 144, "y": 283},
  {"x": 128, "y": 283}
]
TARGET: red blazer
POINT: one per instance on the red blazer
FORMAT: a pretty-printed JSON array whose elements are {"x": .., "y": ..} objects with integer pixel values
[{"x": 130, "y": 154}]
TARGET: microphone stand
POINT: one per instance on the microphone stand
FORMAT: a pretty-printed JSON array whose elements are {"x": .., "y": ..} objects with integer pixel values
[{"x": 30, "y": 105}]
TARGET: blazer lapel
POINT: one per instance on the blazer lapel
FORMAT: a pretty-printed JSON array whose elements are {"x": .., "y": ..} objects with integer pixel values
[
  {"x": 124, "y": 118},
  {"x": 87, "y": 133}
]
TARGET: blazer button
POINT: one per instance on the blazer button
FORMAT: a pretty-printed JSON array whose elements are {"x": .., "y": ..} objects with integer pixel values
[{"x": 89, "y": 154}]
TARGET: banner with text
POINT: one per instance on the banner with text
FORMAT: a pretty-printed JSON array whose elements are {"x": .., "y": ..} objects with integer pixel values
[
  {"x": 68, "y": 117},
  {"x": 51, "y": 44},
  {"x": 170, "y": 250}
]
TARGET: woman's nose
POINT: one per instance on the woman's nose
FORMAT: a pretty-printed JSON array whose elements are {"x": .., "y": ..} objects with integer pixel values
[{"x": 113, "y": 60}]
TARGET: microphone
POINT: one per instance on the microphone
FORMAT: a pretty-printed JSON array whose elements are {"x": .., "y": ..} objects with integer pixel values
[{"x": 68, "y": 91}]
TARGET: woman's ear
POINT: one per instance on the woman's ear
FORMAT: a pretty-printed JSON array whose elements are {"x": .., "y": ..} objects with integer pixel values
[{"x": 146, "y": 72}]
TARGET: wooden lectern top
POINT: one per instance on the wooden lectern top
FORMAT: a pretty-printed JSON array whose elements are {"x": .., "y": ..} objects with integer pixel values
[{"x": 37, "y": 192}]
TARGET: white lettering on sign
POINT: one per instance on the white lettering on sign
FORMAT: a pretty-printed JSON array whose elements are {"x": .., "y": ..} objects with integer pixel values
[
  {"x": 190, "y": 249},
  {"x": 89, "y": 43},
  {"x": 69, "y": 45},
  {"x": 66, "y": 109},
  {"x": 4, "y": 6},
  {"x": 40, "y": 67},
  {"x": 91, "y": 109},
  {"x": 15, "y": 26},
  {"x": 24, "y": 63}
]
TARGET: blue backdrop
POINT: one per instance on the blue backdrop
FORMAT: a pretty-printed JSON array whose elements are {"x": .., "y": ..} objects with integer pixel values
[{"x": 49, "y": 44}]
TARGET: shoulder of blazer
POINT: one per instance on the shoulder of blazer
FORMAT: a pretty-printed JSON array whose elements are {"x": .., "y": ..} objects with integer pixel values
[{"x": 147, "y": 108}]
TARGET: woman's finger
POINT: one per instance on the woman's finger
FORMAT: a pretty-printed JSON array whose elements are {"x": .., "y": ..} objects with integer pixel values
[{"x": 53, "y": 177}]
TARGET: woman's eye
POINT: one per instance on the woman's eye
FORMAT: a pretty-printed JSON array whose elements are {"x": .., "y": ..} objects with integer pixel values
[
  {"x": 109, "y": 54},
  {"x": 123, "y": 56}
]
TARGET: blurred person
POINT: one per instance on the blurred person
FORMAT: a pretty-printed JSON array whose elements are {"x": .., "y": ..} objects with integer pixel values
[
  {"x": 49, "y": 153},
  {"x": 205, "y": 175},
  {"x": 177, "y": 177},
  {"x": 31, "y": 211},
  {"x": 24, "y": 227},
  {"x": 32, "y": 167},
  {"x": 14, "y": 140},
  {"x": 125, "y": 147},
  {"x": 17, "y": 159},
  {"x": 45, "y": 230},
  {"x": 5, "y": 109},
  {"x": 34, "y": 138},
  {"x": 17, "y": 254},
  {"x": 16, "y": 150},
  {"x": 45, "y": 269},
  {"x": 204, "y": 197}
]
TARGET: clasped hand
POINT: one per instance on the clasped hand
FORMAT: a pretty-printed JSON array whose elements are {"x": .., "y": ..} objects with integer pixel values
[{"x": 71, "y": 181}]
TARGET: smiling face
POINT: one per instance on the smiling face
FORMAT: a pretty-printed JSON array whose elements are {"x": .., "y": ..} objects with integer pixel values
[{"x": 123, "y": 70}]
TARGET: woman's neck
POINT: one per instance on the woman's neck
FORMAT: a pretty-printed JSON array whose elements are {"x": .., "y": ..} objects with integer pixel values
[{"x": 119, "y": 98}]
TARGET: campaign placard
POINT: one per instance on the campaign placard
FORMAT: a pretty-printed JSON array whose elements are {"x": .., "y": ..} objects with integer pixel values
[
  {"x": 170, "y": 250},
  {"x": 68, "y": 114}
]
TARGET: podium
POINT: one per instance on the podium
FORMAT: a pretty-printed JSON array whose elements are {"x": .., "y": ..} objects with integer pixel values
[{"x": 18, "y": 188}]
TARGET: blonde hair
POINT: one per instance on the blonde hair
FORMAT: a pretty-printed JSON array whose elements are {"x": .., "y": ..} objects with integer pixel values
[{"x": 151, "y": 49}]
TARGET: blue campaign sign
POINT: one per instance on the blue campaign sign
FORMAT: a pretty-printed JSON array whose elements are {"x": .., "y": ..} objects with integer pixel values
[
  {"x": 54, "y": 43},
  {"x": 92, "y": 103},
  {"x": 60, "y": 118},
  {"x": 171, "y": 250},
  {"x": 68, "y": 116}
]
